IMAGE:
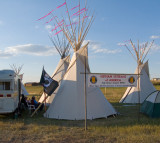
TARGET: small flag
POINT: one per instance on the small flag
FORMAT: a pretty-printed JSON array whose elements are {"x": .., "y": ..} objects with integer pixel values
[{"x": 48, "y": 83}]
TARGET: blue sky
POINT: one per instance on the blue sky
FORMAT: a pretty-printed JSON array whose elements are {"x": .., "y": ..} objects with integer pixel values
[{"x": 24, "y": 40}]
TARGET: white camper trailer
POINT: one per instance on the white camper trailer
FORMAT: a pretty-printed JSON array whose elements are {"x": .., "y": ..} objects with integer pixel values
[{"x": 9, "y": 98}]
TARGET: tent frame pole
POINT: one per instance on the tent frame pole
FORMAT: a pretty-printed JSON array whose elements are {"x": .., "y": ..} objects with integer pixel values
[
  {"x": 138, "y": 63},
  {"x": 139, "y": 92},
  {"x": 19, "y": 94},
  {"x": 85, "y": 94}
]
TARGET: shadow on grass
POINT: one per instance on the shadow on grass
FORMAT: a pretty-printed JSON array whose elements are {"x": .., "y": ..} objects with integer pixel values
[{"x": 128, "y": 116}]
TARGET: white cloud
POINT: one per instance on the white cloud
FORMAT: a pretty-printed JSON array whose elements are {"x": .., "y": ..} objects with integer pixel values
[
  {"x": 155, "y": 37},
  {"x": 121, "y": 44},
  {"x": 155, "y": 47},
  {"x": 29, "y": 49},
  {"x": 106, "y": 51},
  {"x": 85, "y": 42},
  {"x": 96, "y": 47},
  {"x": 4, "y": 54},
  {"x": 124, "y": 43},
  {"x": 89, "y": 17},
  {"x": 48, "y": 27},
  {"x": 75, "y": 19}
]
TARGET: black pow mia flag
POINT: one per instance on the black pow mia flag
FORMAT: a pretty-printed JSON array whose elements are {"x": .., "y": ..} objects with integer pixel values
[{"x": 48, "y": 83}]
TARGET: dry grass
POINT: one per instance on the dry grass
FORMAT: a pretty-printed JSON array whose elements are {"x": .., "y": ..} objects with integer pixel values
[
  {"x": 124, "y": 128},
  {"x": 156, "y": 82}
]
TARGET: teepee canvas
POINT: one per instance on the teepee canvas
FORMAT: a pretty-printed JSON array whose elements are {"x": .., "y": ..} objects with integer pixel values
[
  {"x": 69, "y": 101},
  {"x": 146, "y": 87},
  {"x": 63, "y": 49},
  {"x": 151, "y": 105},
  {"x": 139, "y": 94}
]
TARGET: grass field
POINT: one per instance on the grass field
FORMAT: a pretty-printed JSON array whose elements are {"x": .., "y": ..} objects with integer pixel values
[{"x": 124, "y": 128}]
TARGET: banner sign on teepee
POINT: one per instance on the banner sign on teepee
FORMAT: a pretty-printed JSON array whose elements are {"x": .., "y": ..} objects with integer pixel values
[{"x": 112, "y": 80}]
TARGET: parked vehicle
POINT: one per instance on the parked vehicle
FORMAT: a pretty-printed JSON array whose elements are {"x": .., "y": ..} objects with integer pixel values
[{"x": 9, "y": 95}]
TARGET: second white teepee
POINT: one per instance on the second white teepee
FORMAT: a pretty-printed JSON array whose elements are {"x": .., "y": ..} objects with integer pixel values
[
  {"x": 63, "y": 48},
  {"x": 146, "y": 87},
  {"x": 57, "y": 75},
  {"x": 17, "y": 71}
]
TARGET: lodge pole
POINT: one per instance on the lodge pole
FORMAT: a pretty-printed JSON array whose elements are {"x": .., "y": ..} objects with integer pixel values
[
  {"x": 139, "y": 93},
  {"x": 85, "y": 94},
  {"x": 138, "y": 62},
  {"x": 45, "y": 101},
  {"x": 19, "y": 93}
]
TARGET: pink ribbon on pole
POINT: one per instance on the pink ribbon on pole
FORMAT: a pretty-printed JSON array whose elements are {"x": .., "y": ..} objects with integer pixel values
[
  {"x": 81, "y": 12},
  {"x": 85, "y": 17},
  {"x": 58, "y": 32},
  {"x": 72, "y": 24},
  {"x": 51, "y": 19},
  {"x": 56, "y": 27},
  {"x": 78, "y": 11},
  {"x": 59, "y": 24},
  {"x": 75, "y": 7},
  {"x": 51, "y": 11},
  {"x": 46, "y": 15},
  {"x": 61, "y": 5}
]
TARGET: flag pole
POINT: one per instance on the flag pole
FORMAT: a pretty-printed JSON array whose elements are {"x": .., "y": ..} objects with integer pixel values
[
  {"x": 45, "y": 100},
  {"x": 47, "y": 87},
  {"x": 38, "y": 107}
]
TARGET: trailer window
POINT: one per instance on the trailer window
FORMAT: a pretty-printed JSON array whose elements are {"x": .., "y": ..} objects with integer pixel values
[
  {"x": 1, "y": 86},
  {"x": 4, "y": 85}
]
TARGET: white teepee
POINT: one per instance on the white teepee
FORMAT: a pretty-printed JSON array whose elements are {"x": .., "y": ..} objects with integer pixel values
[
  {"x": 63, "y": 48},
  {"x": 17, "y": 71},
  {"x": 69, "y": 102},
  {"x": 135, "y": 94},
  {"x": 146, "y": 87}
]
